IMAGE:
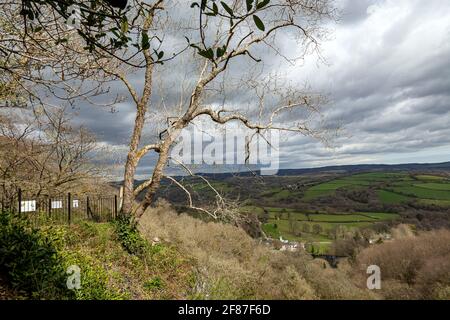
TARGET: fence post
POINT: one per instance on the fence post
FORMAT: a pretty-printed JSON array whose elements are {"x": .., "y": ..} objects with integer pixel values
[
  {"x": 87, "y": 207},
  {"x": 49, "y": 207},
  {"x": 120, "y": 198},
  {"x": 115, "y": 206},
  {"x": 19, "y": 198},
  {"x": 69, "y": 207}
]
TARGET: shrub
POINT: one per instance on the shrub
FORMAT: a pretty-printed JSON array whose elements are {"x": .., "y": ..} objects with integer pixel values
[
  {"x": 94, "y": 278},
  {"x": 154, "y": 284},
  {"x": 30, "y": 259},
  {"x": 35, "y": 262},
  {"x": 412, "y": 266},
  {"x": 129, "y": 236}
]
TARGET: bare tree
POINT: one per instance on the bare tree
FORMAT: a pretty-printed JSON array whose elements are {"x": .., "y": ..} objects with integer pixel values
[
  {"x": 222, "y": 37},
  {"x": 215, "y": 37},
  {"x": 44, "y": 154}
]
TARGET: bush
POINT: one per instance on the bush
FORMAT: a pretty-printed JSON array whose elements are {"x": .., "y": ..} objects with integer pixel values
[
  {"x": 30, "y": 259},
  {"x": 129, "y": 236},
  {"x": 94, "y": 278},
  {"x": 35, "y": 261},
  {"x": 412, "y": 266}
]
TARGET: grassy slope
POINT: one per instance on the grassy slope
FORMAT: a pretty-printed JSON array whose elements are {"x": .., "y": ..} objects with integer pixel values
[
  {"x": 406, "y": 188},
  {"x": 350, "y": 182},
  {"x": 434, "y": 186},
  {"x": 199, "y": 260},
  {"x": 107, "y": 270},
  {"x": 162, "y": 272},
  {"x": 192, "y": 260},
  {"x": 422, "y": 193},
  {"x": 429, "y": 178}
]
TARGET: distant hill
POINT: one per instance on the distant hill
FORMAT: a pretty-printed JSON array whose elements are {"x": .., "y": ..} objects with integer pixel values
[{"x": 444, "y": 166}]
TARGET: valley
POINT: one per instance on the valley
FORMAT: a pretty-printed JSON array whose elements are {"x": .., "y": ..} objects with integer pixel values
[{"x": 318, "y": 208}]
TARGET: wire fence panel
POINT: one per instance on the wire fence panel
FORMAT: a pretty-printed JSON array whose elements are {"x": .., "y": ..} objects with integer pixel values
[{"x": 62, "y": 208}]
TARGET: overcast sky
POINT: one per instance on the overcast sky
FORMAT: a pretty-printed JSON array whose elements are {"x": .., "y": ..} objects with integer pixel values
[
  {"x": 387, "y": 78},
  {"x": 389, "y": 82}
]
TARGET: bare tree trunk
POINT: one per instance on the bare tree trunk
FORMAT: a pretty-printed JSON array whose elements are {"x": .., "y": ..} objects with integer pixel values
[
  {"x": 131, "y": 164},
  {"x": 141, "y": 105},
  {"x": 158, "y": 174}
]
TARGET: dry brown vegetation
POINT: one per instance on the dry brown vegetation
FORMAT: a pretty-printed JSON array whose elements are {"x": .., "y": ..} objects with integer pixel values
[
  {"x": 412, "y": 267},
  {"x": 232, "y": 265}
]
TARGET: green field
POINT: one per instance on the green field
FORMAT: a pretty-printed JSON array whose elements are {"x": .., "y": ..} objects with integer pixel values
[
  {"x": 429, "y": 178},
  {"x": 281, "y": 226},
  {"x": 275, "y": 229},
  {"x": 440, "y": 203},
  {"x": 340, "y": 218},
  {"x": 283, "y": 213},
  {"x": 358, "y": 181},
  {"x": 380, "y": 177},
  {"x": 283, "y": 229},
  {"x": 404, "y": 187},
  {"x": 422, "y": 193},
  {"x": 202, "y": 186},
  {"x": 381, "y": 189},
  {"x": 328, "y": 188},
  {"x": 389, "y": 197},
  {"x": 381, "y": 216},
  {"x": 252, "y": 209},
  {"x": 434, "y": 186}
]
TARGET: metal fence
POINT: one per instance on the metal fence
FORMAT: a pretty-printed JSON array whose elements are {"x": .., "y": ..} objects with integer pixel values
[{"x": 63, "y": 208}]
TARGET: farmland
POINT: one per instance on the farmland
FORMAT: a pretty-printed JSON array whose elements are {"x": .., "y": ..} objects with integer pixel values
[
  {"x": 317, "y": 228},
  {"x": 313, "y": 208},
  {"x": 318, "y": 212},
  {"x": 391, "y": 197},
  {"x": 391, "y": 188}
]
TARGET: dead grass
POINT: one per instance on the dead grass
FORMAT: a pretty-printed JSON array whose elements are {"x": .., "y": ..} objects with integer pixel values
[
  {"x": 231, "y": 265},
  {"x": 412, "y": 267}
]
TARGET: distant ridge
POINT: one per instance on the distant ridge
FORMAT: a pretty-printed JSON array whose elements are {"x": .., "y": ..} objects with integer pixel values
[
  {"x": 372, "y": 167},
  {"x": 443, "y": 166}
]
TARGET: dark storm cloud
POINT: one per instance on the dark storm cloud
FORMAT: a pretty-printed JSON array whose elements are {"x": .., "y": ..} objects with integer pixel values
[{"x": 388, "y": 85}]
